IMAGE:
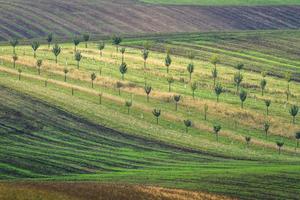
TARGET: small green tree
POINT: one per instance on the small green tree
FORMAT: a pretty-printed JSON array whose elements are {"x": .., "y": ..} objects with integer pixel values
[
  {"x": 215, "y": 60},
  {"x": 248, "y": 140},
  {"x": 238, "y": 78},
  {"x": 294, "y": 112},
  {"x": 78, "y": 57},
  {"x": 297, "y": 136},
  {"x": 214, "y": 74},
  {"x": 218, "y": 90},
  {"x": 279, "y": 145},
  {"x": 66, "y": 71},
  {"x": 190, "y": 69},
  {"x": 266, "y": 128},
  {"x": 217, "y": 128},
  {"x": 128, "y": 104},
  {"x": 148, "y": 90},
  {"x": 176, "y": 99},
  {"x": 239, "y": 67},
  {"x": 123, "y": 50},
  {"x": 56, "y": 51},
  {"x": 15, "y": 58},
  {"x": 263, "y": 84},
  {"x": 76, "y": 42},
  {"x": 101, "y": 47},
  {"x": 268, "y": 104},
  {"x": 49, "y": 39},
  {"x": 243, "y": 97},
  {"x": 20, "y": 72},
  {"x": 86, "y": 38},
  {"x": 116, "y": 40},
  {"x": 156, "y": 113},
  {"x": 14, "y": 43},
  {"x": 194, "y": 87},
  {"x": 168, "y": 62},
  {"x": 93, "y": 77},
  {"x": 170, "y": 80},
  {"x": 145, "y": 55},
  {"x": 39, "y": 65},
  {"x": 187, "y": 123},
  {"x": 35, "y": 45},
  {"x": 205, "y": 111},
  {"x": 123, "y": 69}
]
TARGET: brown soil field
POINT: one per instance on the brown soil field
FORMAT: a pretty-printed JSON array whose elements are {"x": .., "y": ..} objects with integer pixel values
[
  {"x": 36, "y": 18},
  {"x": 96, "y": 191}
]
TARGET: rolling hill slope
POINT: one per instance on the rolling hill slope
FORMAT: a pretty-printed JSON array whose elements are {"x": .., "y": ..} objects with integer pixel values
[{"x": 36, "y": 18}]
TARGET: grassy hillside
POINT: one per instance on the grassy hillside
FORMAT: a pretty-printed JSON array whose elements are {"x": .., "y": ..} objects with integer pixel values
[
  {"x": 62, "y": 131},
  {"x": 224, "y": 2},
  {"x": 36, "y": 18},
  {"x": 273, "y": 51}
]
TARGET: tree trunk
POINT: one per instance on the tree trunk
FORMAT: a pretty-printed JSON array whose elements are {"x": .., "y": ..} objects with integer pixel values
[
  {"x": 176, "y": 106},
  {"x": 65, "y": 77},
  {"x": 169, "y": 87},
  {"x": 156, "y": 120},
  {"x": 148, "y": 98},
  {"x": 92, "y": 84}
]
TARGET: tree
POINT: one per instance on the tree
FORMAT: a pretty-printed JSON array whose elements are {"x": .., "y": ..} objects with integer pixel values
[
  {"x": 101, "y": 46},
  {"x": 288, "y": 78},
  {"x": 190, "y": 69},
  {"x": 176, "y": 99},
  {"x": 297, "y": 136},
  {"x": 194, "y": 87},
  {"x": 263, "y": 84},
  {"x": 205, "y": 111},
  {"x": 116, "y": 40},
  {"x": 35, "y": 45},
  {"x": 279, "y": 145},
  {"x": 218, "y": 90},
  {"x": 217, "y": 128},
  {"x": 39, "y": 65},
  {"x": 78, "y": 57},
  {"x": 239, "y": 67},
  {"x": 14, "y": 43},
  {"x": 20, "y": 71},
  {"x": 86, "y": 38},
  {"x": 268, "y": 104},
  {"x": 145, "y": 55},
  {"x": 168, "y": 62},
  {"x": 243, "y": 97},
  {"x": 248, "y": 140},
  {"x": 123, "y": 69},
  {"x": 148, "y": 90},
  {"x": 66, "y": 71},
  {"x": 123, "y": 52},
  {"x": 119, "y": 86},
  {"x": 93, "y": 77},
  {"x": 76, "y": 42},
  {"x": 56, "y": 51},
  {"x": 170, "y": 80},
  {"x": 191, "y": 56},
  {"x": 266, "y": 128},
  {"x": 128, "y": 104},
  {"x": 15, "y": 58},
  {"x": 294, "y": 112},
  {"x": 156, "y": 113},
  {"x": 49, "y": 39},
  {"x": 214, "y": 73},
  {"x": 238, "y": 78},
  {"x": 215, "y": 60},
  {"x": 187, "y": 123}
]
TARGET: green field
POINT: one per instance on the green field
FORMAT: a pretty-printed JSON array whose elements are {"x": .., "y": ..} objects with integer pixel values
[
  {"x": 50, "y": 134},
  {"x": 224, "y": 2}
]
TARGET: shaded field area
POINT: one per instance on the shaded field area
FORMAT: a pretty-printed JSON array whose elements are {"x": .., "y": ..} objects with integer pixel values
[
  {"x": 36, "y": 18},
  {"x": 276, "y": 52},
  {"x": 96, "y": 191}
]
